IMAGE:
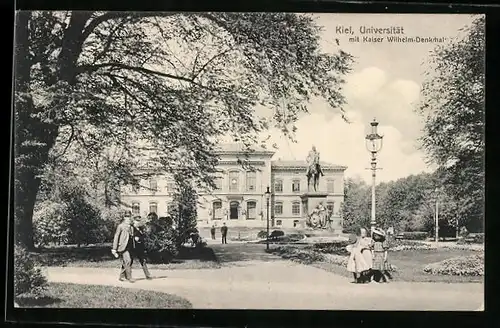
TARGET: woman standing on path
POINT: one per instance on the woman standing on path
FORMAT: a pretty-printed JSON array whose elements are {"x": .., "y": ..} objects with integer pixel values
[{"x": 360, "y": 261}]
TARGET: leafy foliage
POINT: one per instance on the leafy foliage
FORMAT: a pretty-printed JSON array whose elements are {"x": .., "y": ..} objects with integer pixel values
[
  {"x": 27, "y": 277},
  {"x": 160, "y": 241},
  {"x": 174, "y": 82},
  {"x": 453, "y": 107},
  {"x": 50, "y": 223},
  {"x": 458, "y": 266}
]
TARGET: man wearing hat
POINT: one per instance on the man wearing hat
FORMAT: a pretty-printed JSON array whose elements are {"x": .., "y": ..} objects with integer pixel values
[
  {"x": 123, "y": 244},
  {"x": 380, "y": 247}
]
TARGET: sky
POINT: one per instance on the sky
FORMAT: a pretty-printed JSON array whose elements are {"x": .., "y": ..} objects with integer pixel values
[{"x": 385, "y": 83}]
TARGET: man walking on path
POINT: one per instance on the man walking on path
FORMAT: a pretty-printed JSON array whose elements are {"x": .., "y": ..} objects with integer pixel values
[
  {"x": 212, "y": 232},
  {"x": 139, "y": 250},
  {"x": 223, "y": 231},
  {"x": 123, "y": 244}
]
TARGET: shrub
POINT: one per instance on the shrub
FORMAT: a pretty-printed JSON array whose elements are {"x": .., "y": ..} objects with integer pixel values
[
  {"x": 27, "y": 277},
  {"x": 414, "y": 235},
  {"x": 49, "y": 224},
  {"x": 276, "y": 233},
  {"x": 111, "y": 218},
  {"x": 303, "y": 256},
  {"x": 86, "y": 226},
  {"x": 472, "y": 265},
  {"x": 463, "y": 232},
  {"x": 262, "y": 234},
  {"x": 160, "y": 241}
]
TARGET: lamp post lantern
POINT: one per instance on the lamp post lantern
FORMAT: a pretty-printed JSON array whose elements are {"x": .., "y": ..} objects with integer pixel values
[
  {"x": 268, "y": 196},
  {"x": 374, "y": 142}
]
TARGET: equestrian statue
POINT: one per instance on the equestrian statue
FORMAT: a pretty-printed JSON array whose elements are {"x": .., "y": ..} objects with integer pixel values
[{"x": 313, "y": 169}]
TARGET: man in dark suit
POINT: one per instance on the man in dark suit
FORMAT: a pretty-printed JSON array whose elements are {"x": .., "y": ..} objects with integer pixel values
[
  {"x": 139, "y": 250},
  {"x": 223, "y": 231},
  {"x": 123, "y": 244}
]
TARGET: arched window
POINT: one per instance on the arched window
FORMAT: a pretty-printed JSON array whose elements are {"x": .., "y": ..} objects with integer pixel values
[
  {"x": 153, "y": 207},
  {"x": 278, "y": 208},
  {"x": 251, "y": 210},
  {"x": 278, "y": 186},
  {"x": 153, "y": 185},
  {"x": 234, "y": 181},
  {"x": 136, "y": 208},
  {"x": 251, "y": 181},
  {"x": 217, "y": 210},
  {"x": 296, "y": 208}
]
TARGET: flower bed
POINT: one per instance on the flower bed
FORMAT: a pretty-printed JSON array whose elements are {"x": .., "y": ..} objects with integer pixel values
[
  {"x": 409, "y": 245},
  {"x": 458, "y": 266},
  {"x": 303, "y": 256},
  {"x": 336, "y": 247}
]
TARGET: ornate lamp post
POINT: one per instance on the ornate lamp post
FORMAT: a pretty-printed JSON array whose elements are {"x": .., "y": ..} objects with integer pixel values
[
  {"x": 374, "y": 143},
  {"x": 268, "y": 196}
]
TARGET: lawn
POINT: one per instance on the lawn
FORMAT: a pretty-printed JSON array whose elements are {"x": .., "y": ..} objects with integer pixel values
[
  {"x": 410, "y": 266},
  {"x": 99, "y": 256},
  {"x": 64, "y": 295}
]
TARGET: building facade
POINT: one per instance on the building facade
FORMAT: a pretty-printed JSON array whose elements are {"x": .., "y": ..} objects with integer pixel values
[{"x": 238, "y": 199}]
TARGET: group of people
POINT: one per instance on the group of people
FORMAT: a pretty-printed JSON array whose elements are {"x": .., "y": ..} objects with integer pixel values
[
  {"x": 368, "y": 257},
  {"x": 223, "y": 232},
  {"x": 128, "y": 243}
]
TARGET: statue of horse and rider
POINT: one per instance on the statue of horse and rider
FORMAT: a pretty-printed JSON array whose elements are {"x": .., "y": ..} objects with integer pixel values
[{"x": 313, "y": 169}]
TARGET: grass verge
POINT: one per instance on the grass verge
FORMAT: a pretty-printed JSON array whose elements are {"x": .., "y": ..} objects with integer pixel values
[{"x": 65, "y": 295}]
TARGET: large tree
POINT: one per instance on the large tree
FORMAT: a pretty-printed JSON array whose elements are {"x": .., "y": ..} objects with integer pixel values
[
  {"x": 453, "y": 106},
  {"x": 175, "y": 80}
]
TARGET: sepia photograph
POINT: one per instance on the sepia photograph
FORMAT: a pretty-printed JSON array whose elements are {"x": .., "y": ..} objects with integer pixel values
[{"x": 264, "y": 160}]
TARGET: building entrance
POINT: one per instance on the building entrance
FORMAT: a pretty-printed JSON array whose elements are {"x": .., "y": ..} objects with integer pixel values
[{"x": 233, "y": 210}]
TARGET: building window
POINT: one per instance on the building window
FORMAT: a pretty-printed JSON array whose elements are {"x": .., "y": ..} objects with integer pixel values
[
  {"x": 218, "y": 183},
  {"x": 234, "y": 180},
  {"x": 330, "y": 186},
  {"x": 278, "y": 222},
  {"x": 170, "y": 186},
  {"x": 136, "y": 208},
  {"x": 217, "y": 210},
  {"x": 251, "y": 210},
  {"x": 278, "y": 186},
  {"x": 329, "y": 207},
  {"x": 153, "y": 184},
  {"x": 296, "y": 186},
  {"x": 296, "y": 209},
  {"x": 278, "y": 208},
  {"x": 153, "y": 208},
  {"x": 170, "y": 208},
  {"x": 251, "y": 181}
]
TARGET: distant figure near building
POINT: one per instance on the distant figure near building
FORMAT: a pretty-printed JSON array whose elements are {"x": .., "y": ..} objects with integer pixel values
[
  {"x": 223, "y": 231},
  {"x": 212, "y": 231}
]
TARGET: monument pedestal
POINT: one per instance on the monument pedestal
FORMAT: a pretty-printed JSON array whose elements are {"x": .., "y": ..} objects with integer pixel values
[{"x": 310, "y": 200}]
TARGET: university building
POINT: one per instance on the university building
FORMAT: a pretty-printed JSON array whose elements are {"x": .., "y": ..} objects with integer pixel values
[{"x": 238, "y": 199}]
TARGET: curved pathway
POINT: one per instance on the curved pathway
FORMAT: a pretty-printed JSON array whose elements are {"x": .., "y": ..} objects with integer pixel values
[{"x": 281, "y": 284}]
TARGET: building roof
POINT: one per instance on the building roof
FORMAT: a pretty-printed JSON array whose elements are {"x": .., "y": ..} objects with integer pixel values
[
  {"x": 303, "y": 164},
  {"x": 239, "y": 148}
]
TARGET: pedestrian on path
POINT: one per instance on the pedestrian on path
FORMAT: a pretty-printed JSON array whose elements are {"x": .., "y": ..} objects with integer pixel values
[
  {"x": 360, "y": 260},
  {"x": 223, "y": 231},
  {"x": 123, "y": 244},
  {"x": 212, "y": 232},
  {"x": 381, "y": 267},
  {"x": 139, "y": 249}
]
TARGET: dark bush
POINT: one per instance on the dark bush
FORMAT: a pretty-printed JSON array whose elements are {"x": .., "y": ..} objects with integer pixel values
[
  {"x": 160, "y": 241},
  {"x": 49, "y": 224},
  {"x": 27, "y": 277},
  {"x": 276, "y": 234},
  {"x": 414, "y": 235}
]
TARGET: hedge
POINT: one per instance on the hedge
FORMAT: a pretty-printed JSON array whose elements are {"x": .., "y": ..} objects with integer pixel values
[
  {"x": 472, "y": 265},
  {"x": 414, "y": 235}
]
